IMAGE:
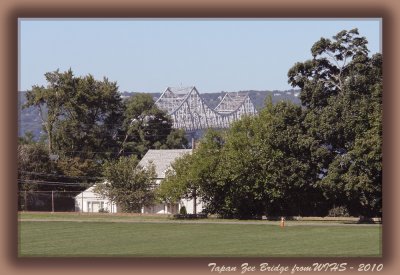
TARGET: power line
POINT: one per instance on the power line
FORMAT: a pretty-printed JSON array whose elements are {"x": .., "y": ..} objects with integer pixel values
[
  {"x": 57, "y": 175},
  {"x": 109, "y": 152},
  {"x": 133, "y": 135},
  {"x": 141, "y": 128},
  {"x": 50, "y": 191},
  {"x": 53, "y": 182}
]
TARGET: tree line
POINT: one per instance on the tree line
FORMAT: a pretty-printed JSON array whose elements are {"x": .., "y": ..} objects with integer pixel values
[
  {"x": 87, "y": 126},
  {"x": 323, "y": 156}
]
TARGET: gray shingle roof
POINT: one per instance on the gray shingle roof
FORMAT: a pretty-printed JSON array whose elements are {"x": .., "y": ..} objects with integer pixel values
[{"x": 162, "y": 159}]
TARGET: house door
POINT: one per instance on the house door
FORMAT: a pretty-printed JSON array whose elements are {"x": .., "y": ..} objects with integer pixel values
[{"x": 95, "y": 207}]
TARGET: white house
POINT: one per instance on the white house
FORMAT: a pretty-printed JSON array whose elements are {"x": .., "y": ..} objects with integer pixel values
[{"x": 88, "y": 201}]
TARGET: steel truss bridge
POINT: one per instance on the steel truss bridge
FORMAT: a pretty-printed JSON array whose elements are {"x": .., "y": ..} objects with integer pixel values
[{"x": 190, "y": 112}]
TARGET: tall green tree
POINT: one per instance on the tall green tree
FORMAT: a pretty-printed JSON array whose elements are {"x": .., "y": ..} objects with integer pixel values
[
  {"x": 194, "y": 176},
  {"x": 267, "y": 166},
  {"x": 180, "y": 181},
  {"x": 207, "y": 165},
  {"x": 261, "y": 165},
  {"x": 91, "y": 120},
  {"x": 80, "y": 115},
  {"x": 341, "y": 90},
  {"x": 146, "y": 127},
  {"x": 38, "y": 170},
  {"x": 49, "y": 100},
  {"x": 289, "y": 163},
  {"x": 244, "y": 194},
  {"x": 127, "y": 184},
  {"x": 300, "y": 160},
  {"x": 34, "y": 166},
  {"x": 86, "y": 122}
]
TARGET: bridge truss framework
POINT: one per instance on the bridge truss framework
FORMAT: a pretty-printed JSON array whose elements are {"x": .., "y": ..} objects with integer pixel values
[{"x": 190, "y": 112}]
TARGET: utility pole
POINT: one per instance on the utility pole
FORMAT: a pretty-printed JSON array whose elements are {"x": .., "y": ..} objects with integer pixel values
[
  {"x": 52, "y": 201},
  {"x": 194, "y": 201},
  {"x": 26, "y": 201}
]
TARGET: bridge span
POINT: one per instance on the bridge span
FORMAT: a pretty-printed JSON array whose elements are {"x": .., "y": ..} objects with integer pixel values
[{"x": 190, "y": 112}]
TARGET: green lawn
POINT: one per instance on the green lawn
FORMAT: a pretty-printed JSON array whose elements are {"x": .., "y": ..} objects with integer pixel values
[
  {"x": 100, "y": 217},
  {"x": 94, "y": 238},
  {"x": 91, "y": 216}
]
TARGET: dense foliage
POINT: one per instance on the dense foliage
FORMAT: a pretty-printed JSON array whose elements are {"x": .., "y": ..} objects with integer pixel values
[
  {"x": 38, "y": 170},
  {"x": 321, "y": 158},
  {"x": 299, "y": 160},
  {"x": 342, "y": 90},
  {"x": 86, "y": 123},
  {"x": 146, "y": 127},
  {"x": 128, "y": 184}
]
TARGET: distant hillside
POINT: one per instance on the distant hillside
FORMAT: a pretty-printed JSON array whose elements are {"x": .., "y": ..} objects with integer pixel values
[{"x": 29, "y": 119}]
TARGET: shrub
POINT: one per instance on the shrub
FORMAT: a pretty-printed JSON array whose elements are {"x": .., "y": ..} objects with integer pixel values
[
  {"x": 102, "y": 210},
  {"x": 183, "y": 211},
  {"x": 339, "y": 211},
  {"x": 191, "y": 216}
]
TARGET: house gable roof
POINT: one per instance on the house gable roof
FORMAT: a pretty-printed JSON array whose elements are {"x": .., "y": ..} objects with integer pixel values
[{"x": 162, "y": 159}]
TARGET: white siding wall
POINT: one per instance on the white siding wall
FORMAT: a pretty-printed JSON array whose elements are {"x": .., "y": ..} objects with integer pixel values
[
  {"x": 189, "y": 205},
  {"x": 161, "y": 208},
  {"x": 89, "y": 202}
]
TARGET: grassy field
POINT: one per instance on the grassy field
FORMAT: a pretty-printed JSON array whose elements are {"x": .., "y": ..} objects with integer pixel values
[
  {"x": 69, "y": 216},
  {"x": 90, "y": 237},
  {"x": 91, "y": 216}
]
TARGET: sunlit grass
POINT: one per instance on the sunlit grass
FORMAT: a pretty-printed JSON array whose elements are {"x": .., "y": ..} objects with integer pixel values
[{"x": 74, "y": 239}]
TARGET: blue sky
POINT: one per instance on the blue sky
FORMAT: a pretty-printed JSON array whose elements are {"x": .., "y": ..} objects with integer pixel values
[{"x": 149, "y": 55}]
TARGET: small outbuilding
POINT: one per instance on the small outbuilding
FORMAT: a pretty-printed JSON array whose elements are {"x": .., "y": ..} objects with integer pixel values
[{"x": 88, "y": 201}]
